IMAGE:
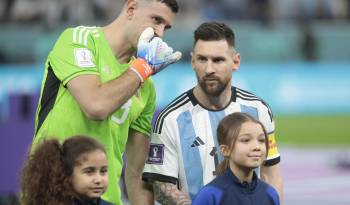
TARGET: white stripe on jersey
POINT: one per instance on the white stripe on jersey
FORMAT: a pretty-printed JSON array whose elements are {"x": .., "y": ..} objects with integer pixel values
[
  {"x": 251, "y": 97},
  {"x": 81, "y": 33},
  {"x": 80, "y": 39},
  {"x": 86, "y": 37},
  {"x": 246, "y": 95},
  {"x": 75, "y": 33},
  {"x": 178, "y": 101}
]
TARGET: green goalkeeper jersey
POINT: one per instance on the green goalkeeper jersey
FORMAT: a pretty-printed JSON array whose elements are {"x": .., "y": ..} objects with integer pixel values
[{"x": 79, "y": 51}]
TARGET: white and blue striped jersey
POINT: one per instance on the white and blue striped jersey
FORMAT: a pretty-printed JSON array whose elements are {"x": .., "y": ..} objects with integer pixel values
[{"x": 184, "y": 146}]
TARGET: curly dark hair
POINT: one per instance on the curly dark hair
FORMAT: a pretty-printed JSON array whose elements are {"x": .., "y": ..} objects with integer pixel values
[{"x": 45, "y": 176}]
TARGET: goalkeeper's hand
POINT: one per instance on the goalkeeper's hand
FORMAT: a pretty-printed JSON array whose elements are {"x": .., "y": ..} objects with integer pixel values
[{"x": 155, "y": 52}]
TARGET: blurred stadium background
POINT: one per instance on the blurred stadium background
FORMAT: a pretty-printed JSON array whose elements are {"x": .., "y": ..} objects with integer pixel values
[{"x": 295, "y": 54}]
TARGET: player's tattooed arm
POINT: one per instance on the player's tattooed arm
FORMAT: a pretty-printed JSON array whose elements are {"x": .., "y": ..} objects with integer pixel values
[{"x": 168, "y": 194}]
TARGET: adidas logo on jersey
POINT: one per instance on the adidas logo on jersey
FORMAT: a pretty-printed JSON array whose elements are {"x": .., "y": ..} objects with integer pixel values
[{"x": 197, "y": 142}]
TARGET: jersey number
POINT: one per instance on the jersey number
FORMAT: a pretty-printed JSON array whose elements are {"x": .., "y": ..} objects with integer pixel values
[{"x": 126, "y": 107}]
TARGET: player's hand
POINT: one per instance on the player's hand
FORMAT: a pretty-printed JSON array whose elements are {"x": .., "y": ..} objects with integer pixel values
[{"x": 155, "y": 52}]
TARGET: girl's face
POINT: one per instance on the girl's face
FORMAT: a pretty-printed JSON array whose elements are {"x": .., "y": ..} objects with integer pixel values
[
  {"x": 90, "y": 177},
  {"x": 249, "y": 151}
]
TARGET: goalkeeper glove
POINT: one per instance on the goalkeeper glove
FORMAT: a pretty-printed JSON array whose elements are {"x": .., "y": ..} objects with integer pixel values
[{"x": 153, "y": 55}]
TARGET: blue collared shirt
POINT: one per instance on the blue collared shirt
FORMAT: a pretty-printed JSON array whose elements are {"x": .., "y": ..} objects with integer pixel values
[{"x": 226, "y": 189}]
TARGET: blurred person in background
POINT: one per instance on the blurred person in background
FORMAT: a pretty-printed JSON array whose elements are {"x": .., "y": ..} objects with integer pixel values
[
  {"x": 347, "y": 10},
  {"x": 79, "y": 11},
  {"x": 7, "y": 6},
  {"x": 74, "y": 173},
  {"x": 183, "y": 151},
  {"x": 309, "y": 44},
  {"x": 93, "y": 85},
  {"x": 260, "y": 10}
]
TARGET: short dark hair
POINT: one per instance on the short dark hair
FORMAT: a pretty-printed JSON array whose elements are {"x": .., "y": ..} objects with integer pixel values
[
  {"x": 172, "y": 4},
  {"x": 214, "y": 31}
]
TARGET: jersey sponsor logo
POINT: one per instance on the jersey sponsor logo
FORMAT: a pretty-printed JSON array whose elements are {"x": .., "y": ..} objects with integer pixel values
[
  {"x": 83, "y": 58},
  {"x": 197, "y": 142},
  {"x": 155, "y": 154}
]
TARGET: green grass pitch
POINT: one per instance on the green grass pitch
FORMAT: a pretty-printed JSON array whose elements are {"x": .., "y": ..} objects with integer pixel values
[{"x": 323, "y": 130}]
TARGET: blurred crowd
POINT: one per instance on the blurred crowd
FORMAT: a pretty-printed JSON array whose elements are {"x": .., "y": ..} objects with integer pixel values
[
  {"x": 43, "y": 20},
  {"x": 55, "y": 12}
]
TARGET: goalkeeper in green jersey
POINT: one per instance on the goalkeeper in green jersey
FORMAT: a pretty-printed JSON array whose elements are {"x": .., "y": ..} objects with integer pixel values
[{"x": 96, "y": 83}]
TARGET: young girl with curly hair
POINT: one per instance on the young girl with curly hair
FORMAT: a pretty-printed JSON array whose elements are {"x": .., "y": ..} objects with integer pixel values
[{"x": 72, "y": 173}]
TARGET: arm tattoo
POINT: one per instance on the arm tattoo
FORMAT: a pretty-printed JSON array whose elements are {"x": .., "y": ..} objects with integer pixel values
[{"x": 168, "y": 194}]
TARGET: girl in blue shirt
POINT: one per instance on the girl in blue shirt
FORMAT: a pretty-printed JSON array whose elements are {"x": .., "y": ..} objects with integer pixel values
[{"x": 243, "y": 143}]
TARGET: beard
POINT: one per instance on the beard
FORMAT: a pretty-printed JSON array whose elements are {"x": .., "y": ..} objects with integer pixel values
[{"x": 212, "y": 85}]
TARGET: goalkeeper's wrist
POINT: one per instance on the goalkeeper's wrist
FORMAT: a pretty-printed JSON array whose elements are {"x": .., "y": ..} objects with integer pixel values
[{"x": 141, "y": 68}]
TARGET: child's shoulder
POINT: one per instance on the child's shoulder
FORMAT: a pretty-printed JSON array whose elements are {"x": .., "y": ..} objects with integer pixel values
[
  {"x": 265, "y": 185},
  {"x": 269, "y": 190}
]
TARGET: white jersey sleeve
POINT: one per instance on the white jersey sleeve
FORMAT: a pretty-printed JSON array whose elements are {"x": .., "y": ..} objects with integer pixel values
[
  {"x": 162, "y": 163},
  {"x": 273, "y": 155}
]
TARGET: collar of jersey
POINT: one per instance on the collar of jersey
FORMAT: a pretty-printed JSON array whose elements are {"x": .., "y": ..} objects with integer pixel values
[
  {"x": 246, "y": 187},
  {"x": 196, "y": 102}
]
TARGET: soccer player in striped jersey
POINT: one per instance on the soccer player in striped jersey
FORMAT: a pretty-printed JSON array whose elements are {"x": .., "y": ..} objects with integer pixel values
[
  {"x": 96, "y": 83},
  {"x": 183, "y": 151}
]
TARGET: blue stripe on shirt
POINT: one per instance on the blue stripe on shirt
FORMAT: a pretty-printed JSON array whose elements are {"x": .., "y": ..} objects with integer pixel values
[
  {"x": 252, "y": 111},
  {"x": 191, "y": 157},
  {"x": 215, "y": 118}
]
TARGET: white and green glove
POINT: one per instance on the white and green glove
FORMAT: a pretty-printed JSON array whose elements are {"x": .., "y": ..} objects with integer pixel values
[{"x": 157, "y": 54}]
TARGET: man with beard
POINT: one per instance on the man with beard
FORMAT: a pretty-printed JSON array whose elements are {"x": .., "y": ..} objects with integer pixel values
[{"x": 184, "y": 150}]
